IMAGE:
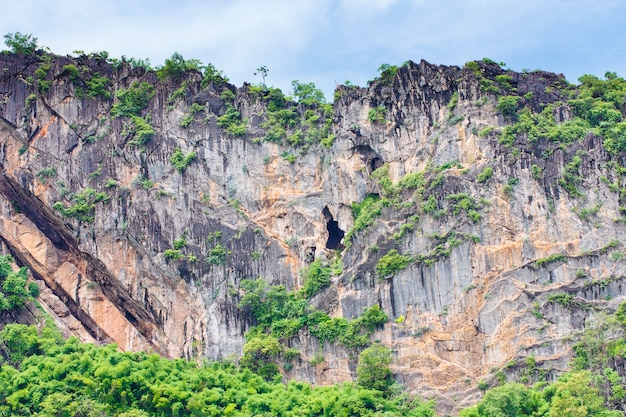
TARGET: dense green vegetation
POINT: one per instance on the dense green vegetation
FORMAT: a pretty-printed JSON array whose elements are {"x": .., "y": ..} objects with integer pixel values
[
  {"x": 43, "y": 375},
  {"x": 302, "y": 123},
  {"x": 14, "y": 290},
  {"x": 181, "y": 161},
  {"x": 281, "y": 314},
  {"x": 83, "y": 204}
]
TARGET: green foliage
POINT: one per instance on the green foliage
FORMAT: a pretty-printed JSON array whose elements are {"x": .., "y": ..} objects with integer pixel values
[
  {"x": 557, "y": 257},
  {"x": 178, "y": 94},
  {"x": 586, "y": 212},
  {"x": 72, "y": 72},
  {"x": 562, "y": 299},
  {"x": 142, "y": 182},
  {"x": 66, "y": 378},
  {"x": 597, "y": 106},
  {"x": 173, "y": 254},
  {"x": 283, "y": 314},
  {"x": 454, "y": 100},
  {"x": 182, "y": 161},
  {"x": 536, "y": 172},
  {"x": 442, "y": 247},
  {"x": 142, "y": 131},
  {"x": 377, "y": 114},
  {"x": 41, "y": 74},
  {"x": 373, "y": 368},
  {"x": 389, "y": 189},
  {"x": 507, "y": 105},
  {"x": 289, "y": 157},
  {"x": 176, "y": 66},
  {"x": 303, "y": 125},
  {"x": 364, "y": 213},
  {"x": 47, "y": 172},
  {"x": 390, "y": 263},
  {"x": 213, "y": 76},
  {"x": 504, "y": 80},
  {"x": 14, "y": 291},
  {"x": 217, "y": 255},
  {"x": 133, "y": 100},
  {"x": 315, "y": 278},
  {"x": 97, "y": 86},
  {"x": 413, "y": 181},
  {"x": 307, "y": 93},
  {"x": 259, "y": 354},
  {"x": 509, "y": 400},
  {"x": 231, "y": 121},
  {"x": 181, "y": 242},
  {"x": 570, "y": 177},
  {"x": 387, "y": 73},
  {"x": 21, "y": 43},
  {"x": 463, "y": 202},
  {"x": 84, "y": 205},
  {"x": 483, "y": 133},
  {"x": 485, "y": 175}
]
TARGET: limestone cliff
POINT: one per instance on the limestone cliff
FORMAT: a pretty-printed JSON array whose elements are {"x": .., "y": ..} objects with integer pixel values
[{"x": 510, "y": 247}]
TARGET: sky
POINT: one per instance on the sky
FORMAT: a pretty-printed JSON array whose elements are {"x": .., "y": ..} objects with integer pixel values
[{"x": 330, "y": 42}]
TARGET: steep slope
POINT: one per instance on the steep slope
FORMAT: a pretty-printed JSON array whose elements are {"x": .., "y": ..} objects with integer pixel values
[{"x": 489, "y": 230}]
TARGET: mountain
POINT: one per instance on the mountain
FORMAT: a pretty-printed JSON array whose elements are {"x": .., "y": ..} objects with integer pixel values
[{"x": 471, "y": 219}]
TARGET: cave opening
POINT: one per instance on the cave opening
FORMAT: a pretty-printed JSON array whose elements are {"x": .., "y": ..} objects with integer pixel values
[
  {"x": 376, "y": 163},
  {"x": 335, "y": 234}
]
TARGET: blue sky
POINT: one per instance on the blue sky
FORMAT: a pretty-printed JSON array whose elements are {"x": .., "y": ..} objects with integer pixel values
[{"x": 328, "y": 42}]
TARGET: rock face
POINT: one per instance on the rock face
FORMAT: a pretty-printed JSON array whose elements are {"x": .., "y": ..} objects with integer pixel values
[{"x": 117, "y": 236}]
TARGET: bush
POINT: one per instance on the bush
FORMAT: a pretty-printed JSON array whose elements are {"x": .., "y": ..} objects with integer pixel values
[
  {"x": 485, "y": 175},
  {"x": 377, "y": 114},
  {"x": 231, "y": 121},
  {"x": 391, "y": 263},
  {"x": 307, "y": 93},
  {"x": 21, "y": 44},
  {"x": 176, "y": 66},
  {"x": 557, "y": 257},
  {"x": 373, "y": 368},
  {"x": 182, "y": 161},
  {"x": 217, "y": 255},
  {"x": 142, "y": 130},
  {"x": 14, "y": 291},
  {"x": 213, "y": 76},
  {"x": 132, "y": 101},
  {"x": 507, "y": 105},
  {"x": 315, "y": 278},
  {"x": 84, "y": 205},
  {"x": 97, "y": 86}
]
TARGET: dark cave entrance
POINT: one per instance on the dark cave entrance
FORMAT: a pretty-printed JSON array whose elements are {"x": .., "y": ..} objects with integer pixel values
[
  {"x": 335, "y": 234},
  {"x": 376, "y": 163}
]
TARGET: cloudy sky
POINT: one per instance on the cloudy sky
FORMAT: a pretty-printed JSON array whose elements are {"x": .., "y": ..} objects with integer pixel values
[{"x": 331, "y": 41}]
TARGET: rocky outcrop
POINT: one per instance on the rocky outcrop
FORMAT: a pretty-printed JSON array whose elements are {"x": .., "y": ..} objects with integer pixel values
[{"x": 482, "y": 227}]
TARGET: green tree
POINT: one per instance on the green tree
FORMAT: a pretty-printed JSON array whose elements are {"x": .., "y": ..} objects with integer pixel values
[
  {"x": 373, "y": 368},
  {"x": 19, "y": 43},
  {"x": 262, "y": 71},
  {"x": 507, "y": 105},
  {"x": 575, "y": 396},
  {"x": 13, "y": 285},
  {"x": 509, "y": 400},
  {"x": 176, "y": 66},
  {"x": 259, "y": 355},
  {"x": 307, "y": 93}
]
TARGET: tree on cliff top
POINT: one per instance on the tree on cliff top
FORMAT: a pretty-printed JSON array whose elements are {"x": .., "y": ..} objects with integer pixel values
[{"x": 19, "y": 43}]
